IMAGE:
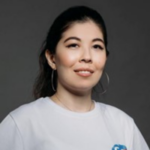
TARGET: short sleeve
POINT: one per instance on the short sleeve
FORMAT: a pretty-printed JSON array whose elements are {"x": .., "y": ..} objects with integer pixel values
[
  {"x": 10, "y": 138},
  {"x": 138, "y": 142}
]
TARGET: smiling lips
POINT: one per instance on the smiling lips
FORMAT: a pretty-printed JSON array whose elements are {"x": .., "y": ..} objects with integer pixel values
[{"x": 84, "y": 72}]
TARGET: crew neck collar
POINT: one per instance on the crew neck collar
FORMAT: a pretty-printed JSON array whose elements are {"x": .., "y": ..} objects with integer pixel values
[{"x": 65, "y": 111}]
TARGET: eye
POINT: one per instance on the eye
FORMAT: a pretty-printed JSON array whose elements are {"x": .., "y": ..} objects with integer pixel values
[
  {"x": 73, "y": 45},
  {"x": 98, "y": 47}
]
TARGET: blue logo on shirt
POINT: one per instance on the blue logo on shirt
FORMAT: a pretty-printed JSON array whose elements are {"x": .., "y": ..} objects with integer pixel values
[{"x": 119, "y": 147}]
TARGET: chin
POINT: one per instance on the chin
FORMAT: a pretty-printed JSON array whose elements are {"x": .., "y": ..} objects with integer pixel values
[{"x": 83, "y": 88}]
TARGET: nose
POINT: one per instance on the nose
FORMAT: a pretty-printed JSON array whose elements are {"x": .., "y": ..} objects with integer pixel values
[{"x": 86, "y": 56}]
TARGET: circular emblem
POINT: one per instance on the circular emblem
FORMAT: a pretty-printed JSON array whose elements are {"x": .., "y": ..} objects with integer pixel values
[{"x": 119, "y": 147}]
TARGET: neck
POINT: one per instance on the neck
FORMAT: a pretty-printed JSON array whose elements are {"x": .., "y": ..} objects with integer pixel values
[{"x": 73, "y": 100}]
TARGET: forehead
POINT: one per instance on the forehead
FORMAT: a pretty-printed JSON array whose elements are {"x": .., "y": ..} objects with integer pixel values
[{"x": 87, "y": 29}]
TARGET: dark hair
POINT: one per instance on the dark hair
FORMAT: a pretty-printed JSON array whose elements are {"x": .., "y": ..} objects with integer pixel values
[{"x": 43, "y": 85}]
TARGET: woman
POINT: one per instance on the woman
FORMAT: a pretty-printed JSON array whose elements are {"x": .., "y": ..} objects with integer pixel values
[{"x": 64, "y": 116}]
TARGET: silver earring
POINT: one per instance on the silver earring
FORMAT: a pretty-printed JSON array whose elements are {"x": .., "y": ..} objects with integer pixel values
[
  {"x": 52, "y": 77},
  {"x": 102, "y": 86},
  {"x": 107, "y": 84}
]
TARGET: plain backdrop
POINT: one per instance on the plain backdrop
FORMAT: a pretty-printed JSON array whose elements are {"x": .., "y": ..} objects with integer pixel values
[{"x": 24, "y": 25}]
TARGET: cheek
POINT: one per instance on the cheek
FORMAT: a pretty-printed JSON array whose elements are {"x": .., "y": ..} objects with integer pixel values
[
  {"x": 66, "y": 59},
  {"x": 100, "y": 61}
]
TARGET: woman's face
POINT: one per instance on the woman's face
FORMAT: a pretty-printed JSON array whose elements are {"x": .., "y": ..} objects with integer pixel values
[{"x": 80, "y": 57}]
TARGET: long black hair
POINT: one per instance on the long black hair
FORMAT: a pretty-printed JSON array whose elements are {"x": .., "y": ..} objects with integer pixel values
[{"x": 43, "y": 85}]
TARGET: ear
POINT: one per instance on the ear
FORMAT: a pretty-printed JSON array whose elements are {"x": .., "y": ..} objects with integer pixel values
[{"x": 50, "y": 59}]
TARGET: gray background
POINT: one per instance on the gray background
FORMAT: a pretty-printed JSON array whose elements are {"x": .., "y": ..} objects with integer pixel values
[{"x": 24, "y": 25}]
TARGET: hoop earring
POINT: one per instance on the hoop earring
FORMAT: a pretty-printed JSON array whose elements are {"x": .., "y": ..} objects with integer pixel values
[
  {"x": 107, "y": 85},
  {"x": 52, "y": 77}
]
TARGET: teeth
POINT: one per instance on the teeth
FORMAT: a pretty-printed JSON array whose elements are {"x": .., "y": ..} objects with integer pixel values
[{"x": 84, "y": 71}]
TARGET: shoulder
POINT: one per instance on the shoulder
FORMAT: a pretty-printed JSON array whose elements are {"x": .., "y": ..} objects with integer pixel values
[
  {"x": 28, "y": 110},
  {"x": 115, "y": 115},
  {"x": 113, "y": 111},
  {"x": 119, "y": 123}
]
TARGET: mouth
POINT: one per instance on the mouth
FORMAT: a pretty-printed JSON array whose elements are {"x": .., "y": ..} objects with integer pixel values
[{"x": 85, "y": 72}]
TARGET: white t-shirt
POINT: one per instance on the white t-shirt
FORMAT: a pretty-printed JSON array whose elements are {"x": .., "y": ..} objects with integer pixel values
[{"x": 44, "y": 125}]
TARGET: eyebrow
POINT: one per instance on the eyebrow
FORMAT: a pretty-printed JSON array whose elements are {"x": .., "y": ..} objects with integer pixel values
[
  {"x": 75, "y": 38},
  {"x": 72, "y": 38},
  {"x": 97, "y": 39}
]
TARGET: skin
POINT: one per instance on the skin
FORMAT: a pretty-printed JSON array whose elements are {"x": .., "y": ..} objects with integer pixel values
[{"x": 81, "y": 46}]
